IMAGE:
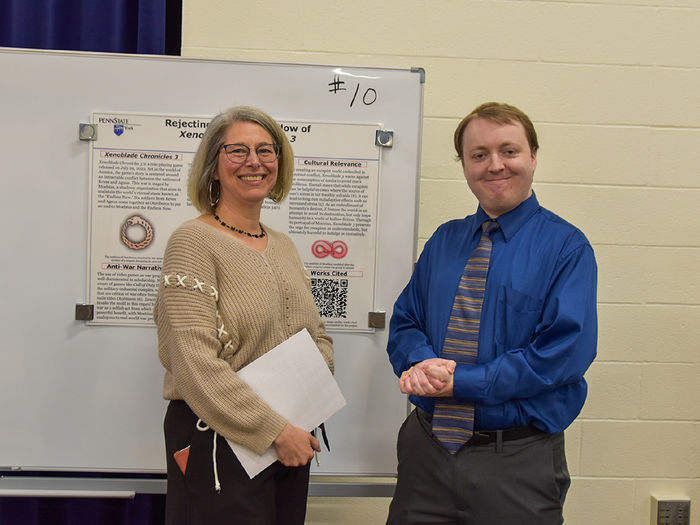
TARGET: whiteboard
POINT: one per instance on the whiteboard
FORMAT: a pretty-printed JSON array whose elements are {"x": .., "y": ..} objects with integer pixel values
[{"x": 88, "y": 398}]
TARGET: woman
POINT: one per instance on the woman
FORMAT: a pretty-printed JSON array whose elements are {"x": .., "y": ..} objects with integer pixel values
[{"x": 231, "y": 290}]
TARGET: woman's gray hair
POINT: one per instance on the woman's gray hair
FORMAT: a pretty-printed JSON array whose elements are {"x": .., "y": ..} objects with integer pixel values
[{"x": 202, "y": 189}]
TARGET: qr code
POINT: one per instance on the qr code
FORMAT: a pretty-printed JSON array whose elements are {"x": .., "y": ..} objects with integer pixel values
[{"x": 331, "y": 296}]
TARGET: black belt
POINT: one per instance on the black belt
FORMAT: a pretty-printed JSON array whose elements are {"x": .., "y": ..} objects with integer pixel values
[{"x": 485, "y": 437}]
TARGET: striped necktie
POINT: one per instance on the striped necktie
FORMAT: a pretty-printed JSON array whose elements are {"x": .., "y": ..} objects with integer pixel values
[{"x": 453, "y": 420}]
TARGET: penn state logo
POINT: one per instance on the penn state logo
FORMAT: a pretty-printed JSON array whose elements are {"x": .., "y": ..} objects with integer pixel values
[{"x": 118, "y": 129}]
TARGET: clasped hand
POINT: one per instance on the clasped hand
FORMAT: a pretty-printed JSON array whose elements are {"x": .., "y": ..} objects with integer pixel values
[{"x": 430, "y": 378}]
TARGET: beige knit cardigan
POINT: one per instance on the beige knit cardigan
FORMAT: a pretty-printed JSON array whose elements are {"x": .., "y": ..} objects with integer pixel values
[{"x": 220, "y": 306}]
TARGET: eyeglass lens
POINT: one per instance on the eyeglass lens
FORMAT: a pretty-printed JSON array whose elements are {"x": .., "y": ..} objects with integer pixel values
[{"x": 240, "y": 152}]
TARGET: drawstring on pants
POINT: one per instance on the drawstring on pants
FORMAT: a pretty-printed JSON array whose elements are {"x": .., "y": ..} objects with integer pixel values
[{"x": 203, "y": 427}]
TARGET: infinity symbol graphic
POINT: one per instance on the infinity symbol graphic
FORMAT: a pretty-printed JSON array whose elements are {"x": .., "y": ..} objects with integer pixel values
[{"x": 336, "y": 249}]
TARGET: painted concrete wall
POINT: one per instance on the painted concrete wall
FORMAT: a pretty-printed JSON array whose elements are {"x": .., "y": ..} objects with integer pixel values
[{"x": 613, "y": 87}]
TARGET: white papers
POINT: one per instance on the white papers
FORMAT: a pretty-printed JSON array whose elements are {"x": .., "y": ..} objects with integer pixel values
[{"x": 295, "y": 381}]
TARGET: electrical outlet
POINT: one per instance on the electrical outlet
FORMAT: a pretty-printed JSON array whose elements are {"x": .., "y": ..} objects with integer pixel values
[{"x": 670, "y": 511}]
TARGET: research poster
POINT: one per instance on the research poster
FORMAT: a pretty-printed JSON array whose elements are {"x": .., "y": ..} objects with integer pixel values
[{"x": 138, "y": 177}]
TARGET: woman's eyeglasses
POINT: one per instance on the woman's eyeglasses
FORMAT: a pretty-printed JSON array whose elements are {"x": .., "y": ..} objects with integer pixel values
[{"x": 238, "y": 153}]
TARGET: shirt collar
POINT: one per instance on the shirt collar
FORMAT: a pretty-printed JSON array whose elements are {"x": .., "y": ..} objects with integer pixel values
[{"x": 512, "y": 221}]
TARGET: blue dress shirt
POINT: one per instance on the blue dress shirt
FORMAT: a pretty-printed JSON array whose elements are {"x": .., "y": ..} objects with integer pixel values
[{"x": 538, "y": 330}]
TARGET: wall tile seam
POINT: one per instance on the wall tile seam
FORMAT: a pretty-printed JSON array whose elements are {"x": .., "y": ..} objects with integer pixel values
[
  {"x": 645, "y": 187},
  {"x": 315, "y": 52},
  {"x": 467, "y": 58},
  {"x": 403, "y": 56},
  {"x": 592, "y": 126},
  {"x": 596, "y": 4},
  {"x": 639, "y": 421},
  {"x": 690, "y": 421},
  {"x": 611, "y": 65},
  {"x": 591, "y": 477},
  {"x": 655, "y": 246},
  {"x": 615, "y": 126},
  {"x": 650, "y": 363},
  {"x": 579, "y": 441},
  {"x": 601, "y": 361},
  {"x": 457, "y": 178},
  {"x": 691, "y": 364},
  {"x": 536, "y": 182},
  {"x": 636, "y": 303},
  {"x": 626, "y": 308},
  {"x": 205, "y": 53},
  {"x": 443, "y": 118},
  {"x": 549, "y": 3},
  {"x": 616, "y": 186}
]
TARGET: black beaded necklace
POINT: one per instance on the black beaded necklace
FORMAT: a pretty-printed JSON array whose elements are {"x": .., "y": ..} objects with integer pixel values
[{"x": 237, "y": 230}]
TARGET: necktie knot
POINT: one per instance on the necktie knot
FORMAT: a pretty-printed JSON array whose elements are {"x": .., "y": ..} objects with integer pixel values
[{"x": 489, "y": 227}]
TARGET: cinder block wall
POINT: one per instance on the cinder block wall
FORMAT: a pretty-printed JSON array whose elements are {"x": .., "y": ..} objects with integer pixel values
[{"x": 614, "y": 89}]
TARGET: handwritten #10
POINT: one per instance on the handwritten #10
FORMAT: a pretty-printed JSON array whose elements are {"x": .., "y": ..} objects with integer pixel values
[{"x": 368, "y": 98}]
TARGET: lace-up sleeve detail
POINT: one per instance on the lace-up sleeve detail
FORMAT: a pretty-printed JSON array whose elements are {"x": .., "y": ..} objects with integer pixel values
[{"x": 195, "y": 285}]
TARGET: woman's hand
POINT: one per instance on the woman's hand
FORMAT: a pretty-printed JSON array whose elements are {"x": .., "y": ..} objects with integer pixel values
[{"x": 295, "y": 446}]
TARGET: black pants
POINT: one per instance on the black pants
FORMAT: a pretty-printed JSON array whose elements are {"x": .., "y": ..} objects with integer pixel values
[
  {"x": 276, "y": 496},
  {"x": 525, "y": 483}
]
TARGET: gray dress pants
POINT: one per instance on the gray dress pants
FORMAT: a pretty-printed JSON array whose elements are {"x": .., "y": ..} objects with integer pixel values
[{"x": 520, "y": 482}]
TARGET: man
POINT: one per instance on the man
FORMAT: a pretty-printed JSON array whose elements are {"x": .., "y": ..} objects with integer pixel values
[{"x": 491, "y": 338}]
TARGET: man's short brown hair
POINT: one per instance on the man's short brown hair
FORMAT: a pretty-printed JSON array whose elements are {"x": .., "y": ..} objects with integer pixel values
[{"x": 501, "y": 114}]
